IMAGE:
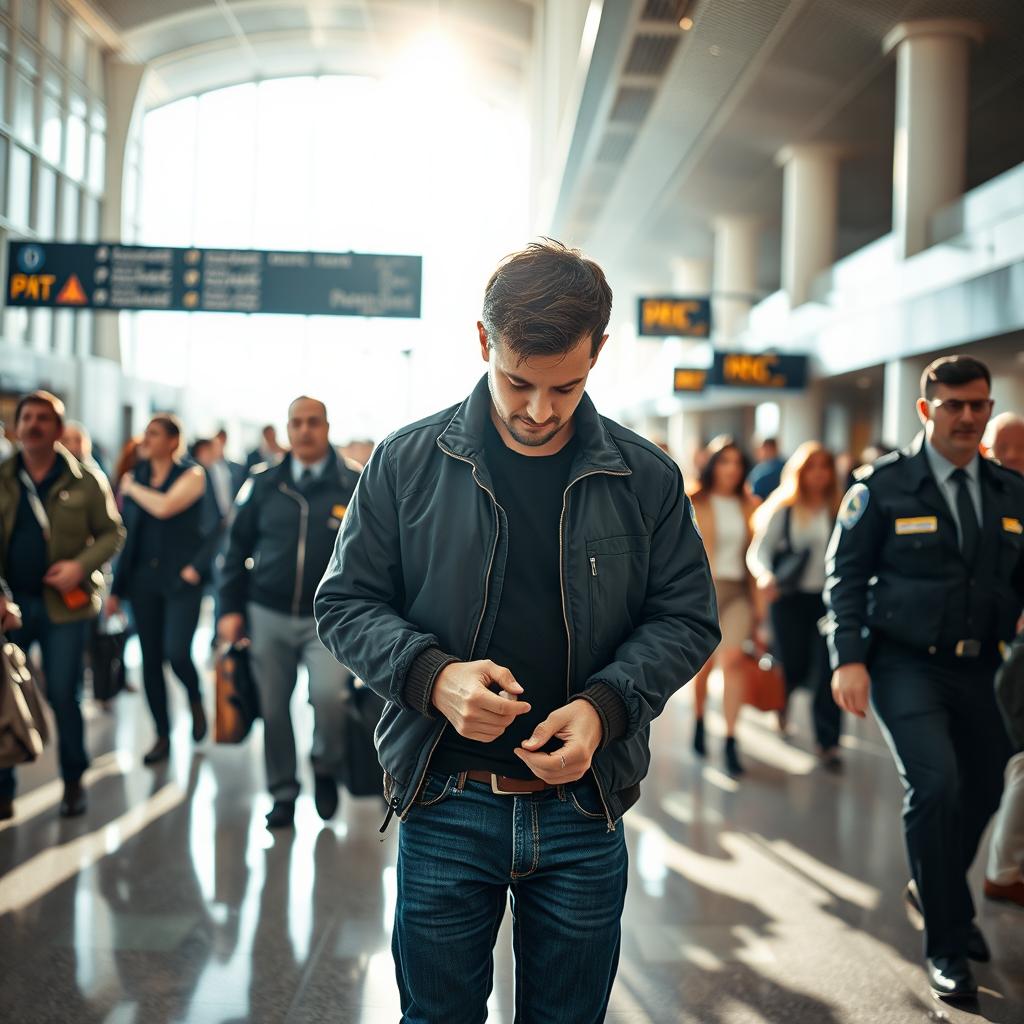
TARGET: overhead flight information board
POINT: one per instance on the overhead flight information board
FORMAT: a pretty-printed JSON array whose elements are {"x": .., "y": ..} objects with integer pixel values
[{"x": 57, "y": 275}]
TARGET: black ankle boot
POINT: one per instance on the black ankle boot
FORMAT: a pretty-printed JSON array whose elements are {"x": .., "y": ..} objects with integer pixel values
[
  {"x": 732, "y": 757},
  {"x": 198, "y": 721},
  {"x": 700, "y": 747},
  {"x": 160, "y": 751}
]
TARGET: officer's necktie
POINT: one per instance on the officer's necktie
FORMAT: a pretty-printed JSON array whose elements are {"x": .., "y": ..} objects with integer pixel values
[
  {"x": 970, "y": 532},
  {"x": 305, "y": 479}
]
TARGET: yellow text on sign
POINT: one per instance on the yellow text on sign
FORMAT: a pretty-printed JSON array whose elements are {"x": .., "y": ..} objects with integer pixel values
[
  {"x": 690, "y": 380},
  {"x": 661, "y": 314},
  {"x": 757, "y": 370},
  {"x": 32, "y": 286}
]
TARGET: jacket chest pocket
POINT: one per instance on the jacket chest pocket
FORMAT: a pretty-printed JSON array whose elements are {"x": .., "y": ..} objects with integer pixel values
[{"x": 617, "y": 573}]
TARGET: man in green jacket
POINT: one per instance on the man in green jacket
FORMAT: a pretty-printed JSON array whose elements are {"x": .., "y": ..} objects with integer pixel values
[{"x": 58, "y": 525}]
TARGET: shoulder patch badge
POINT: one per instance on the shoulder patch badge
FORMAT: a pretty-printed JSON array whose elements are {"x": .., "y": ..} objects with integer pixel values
[
  {"x": 854, "y": 505},
  {"x": 693, "y": 518}
]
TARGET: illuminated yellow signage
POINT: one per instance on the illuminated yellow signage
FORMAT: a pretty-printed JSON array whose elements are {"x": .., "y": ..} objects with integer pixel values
[
  {"x": 690, "y": 380},
  {"x": 668, "y": 317},
  {"x": 36, "y": 287}
]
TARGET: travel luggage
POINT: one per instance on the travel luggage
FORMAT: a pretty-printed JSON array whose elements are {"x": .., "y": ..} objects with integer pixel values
[
  {"x": 23, "y": 728},
  {"x": 107, "y": 657},
  {"x": 238, "y": 704},
  {"x": 764, "y": 683},
  {"x": 361, "y": 773}
]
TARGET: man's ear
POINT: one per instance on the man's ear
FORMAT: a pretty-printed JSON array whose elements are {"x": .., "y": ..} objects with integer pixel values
[
  {"x": 600, "y": 348},
  {"x": 485, "y": 351},
  {"x": 924, "y": 410}
]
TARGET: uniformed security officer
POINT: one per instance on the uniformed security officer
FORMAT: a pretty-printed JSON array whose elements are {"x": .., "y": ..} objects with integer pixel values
[{"x": 926, "y": 581}]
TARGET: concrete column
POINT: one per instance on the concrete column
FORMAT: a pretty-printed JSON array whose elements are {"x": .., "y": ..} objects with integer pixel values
[
  {"x": 685, "y": 439},
  {"x": 810, "y": 212},
  {"x": 735, "y": 274},
  {"x": 1008, "y": 392},
  {"x": 124, "y": 92},
  {"x": 690, "y": 276},
  {"x": 931, "y": 122},
  {"x": 801, "y": 418},
  {"x": 902, "y": 387}
]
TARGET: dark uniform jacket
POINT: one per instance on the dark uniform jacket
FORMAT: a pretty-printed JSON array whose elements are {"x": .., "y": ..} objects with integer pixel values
[
  {"x": 896, "y": 573},
  {"x": 419, "y": 567},
  {"x": 288, "y": 535}
]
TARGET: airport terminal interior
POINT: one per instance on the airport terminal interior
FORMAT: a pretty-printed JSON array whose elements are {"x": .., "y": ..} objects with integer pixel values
[{"x": 209, "y": 208}]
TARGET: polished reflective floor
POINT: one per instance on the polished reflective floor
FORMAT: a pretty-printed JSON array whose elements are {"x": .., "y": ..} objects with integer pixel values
[{"x": 772, "y": 900}]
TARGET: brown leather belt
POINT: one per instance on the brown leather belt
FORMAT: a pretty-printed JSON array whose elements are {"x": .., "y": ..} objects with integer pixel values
[{"x": 505, "y": 786}]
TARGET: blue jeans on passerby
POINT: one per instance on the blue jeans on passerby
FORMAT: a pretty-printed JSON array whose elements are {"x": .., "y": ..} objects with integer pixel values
[
  {"x": 63, "y": 647},
  {"x": 460, "y": 852}
]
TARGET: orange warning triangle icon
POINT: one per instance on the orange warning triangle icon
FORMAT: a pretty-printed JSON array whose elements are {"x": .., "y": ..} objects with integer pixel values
[{"x": 72, "y": 294}]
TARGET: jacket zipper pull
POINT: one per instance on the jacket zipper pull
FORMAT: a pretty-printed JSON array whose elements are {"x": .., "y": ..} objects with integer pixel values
[
  {"x": 387, "y": 821},
  {"x": 593, "y": 565}
]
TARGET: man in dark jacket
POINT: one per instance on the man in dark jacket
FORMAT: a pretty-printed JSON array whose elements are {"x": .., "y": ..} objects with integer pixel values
[
  {"x": 925, "y": 586},
  {"x": 523, "y": 581},
  {"x": 286, "y": 519}
]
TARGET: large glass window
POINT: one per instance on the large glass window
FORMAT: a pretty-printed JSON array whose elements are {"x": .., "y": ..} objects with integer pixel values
[
  {"x": 419, "y": 163},
  {"x": 46, "y": 201},
  {"x": 74, "y": 157},
  {"x": 21, "y": 187},
  {"x": 69, "y": 213}
]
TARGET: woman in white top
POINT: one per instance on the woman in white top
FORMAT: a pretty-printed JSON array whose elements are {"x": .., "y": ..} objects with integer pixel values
[
  {"x": 787, "y": 558},
  {"x": 723, "y": 509}
]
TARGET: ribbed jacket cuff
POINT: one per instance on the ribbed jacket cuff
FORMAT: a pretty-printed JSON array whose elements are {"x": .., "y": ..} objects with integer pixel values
[
  {"x": 611, "y": 709},
  {"x": 423, "y": 673},
  {"x": 848, "y": 649}
]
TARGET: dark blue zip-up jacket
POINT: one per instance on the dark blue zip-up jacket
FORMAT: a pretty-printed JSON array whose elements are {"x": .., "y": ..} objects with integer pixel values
[{"x": 415, "y": 581}]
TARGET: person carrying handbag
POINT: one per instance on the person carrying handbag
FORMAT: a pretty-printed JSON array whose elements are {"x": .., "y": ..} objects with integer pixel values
[{"x": 787, "y": 559}]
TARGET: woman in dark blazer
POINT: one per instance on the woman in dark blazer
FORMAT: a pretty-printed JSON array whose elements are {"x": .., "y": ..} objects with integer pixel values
[{"x": 161, "y": 571}]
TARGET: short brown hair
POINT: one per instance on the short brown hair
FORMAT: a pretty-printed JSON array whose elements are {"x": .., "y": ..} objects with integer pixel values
[
  {"x": 41, "y": 397},
  {"x": 953, "y": 371},
  {"x": 544, "y": 300}
]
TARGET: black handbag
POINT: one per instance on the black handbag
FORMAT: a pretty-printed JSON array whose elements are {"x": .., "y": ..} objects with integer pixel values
[
  {"x": 789, "y": 563},
  {"x": 23, "y": 728},
  {"x": 361, "y": 773},
  {"x": 106, "y": 655}
]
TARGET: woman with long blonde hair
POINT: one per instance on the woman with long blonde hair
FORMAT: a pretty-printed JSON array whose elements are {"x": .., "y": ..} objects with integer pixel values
[{"x": 787, "y": 559}]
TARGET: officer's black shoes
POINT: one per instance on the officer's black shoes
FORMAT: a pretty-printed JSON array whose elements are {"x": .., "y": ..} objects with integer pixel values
[
  {"x": 830, "y": 761},
  {"x": 700, "y": 746},
  {"x": 198, "y": 721},
  {"x": 325, "y": 796},
  {"x": 977, "y": 947},
  {"x": 73, "y": 802},
  {"x": 950, "y": 977},
  {"x": 733, "y": 764},
  {"x": 160, "y": 751},
  {"x": 6, "y": 809},
  {"x": 282, "y": 814}
]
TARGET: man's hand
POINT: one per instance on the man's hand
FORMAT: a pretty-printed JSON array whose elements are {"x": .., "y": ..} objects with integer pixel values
[
  {"x": 462, "y": 694},
  {"x": 851, "y": 687},
  {"x": 112, "y": 606},
  {"x": 231, "y": 627},
  {"x": 10, "y": 615},
  {"x": 578, "y": 726},
  {"x": 64, "y": 576},
  {"x": 190, "y": 575}
]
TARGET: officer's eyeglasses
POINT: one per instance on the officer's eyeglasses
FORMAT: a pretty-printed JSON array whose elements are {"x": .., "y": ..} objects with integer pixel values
[{"x": 956, "y": 406}]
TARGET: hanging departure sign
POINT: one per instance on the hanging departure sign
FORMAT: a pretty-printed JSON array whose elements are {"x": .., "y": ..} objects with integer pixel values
[
  {"x": 763, "y": 371},
  {"x": 134, "y": 277},
  {"x": 674, "y": 317},
  {"x": 689, "y": 379}
]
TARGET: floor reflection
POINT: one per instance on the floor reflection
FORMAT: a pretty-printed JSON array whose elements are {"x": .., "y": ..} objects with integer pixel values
[{"x": 775, "y": 899}]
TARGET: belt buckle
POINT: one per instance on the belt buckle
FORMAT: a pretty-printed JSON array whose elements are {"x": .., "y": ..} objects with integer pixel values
[
  {"x": 967, "y": 648},
  {"x": 497, "y": 791}
]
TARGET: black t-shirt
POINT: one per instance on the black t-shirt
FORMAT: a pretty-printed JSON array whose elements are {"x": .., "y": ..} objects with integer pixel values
[
  {"x": 27, "y": 556},
  {"x": 529, "y": 636}
]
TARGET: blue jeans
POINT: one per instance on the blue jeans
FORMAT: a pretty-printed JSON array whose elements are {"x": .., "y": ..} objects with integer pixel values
[
  {"x": 63, "y": 647},
  {"x": 460, "y": 851}
]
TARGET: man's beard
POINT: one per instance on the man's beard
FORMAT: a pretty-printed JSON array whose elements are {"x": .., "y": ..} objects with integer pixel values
[{"x": 531, "y": 440}]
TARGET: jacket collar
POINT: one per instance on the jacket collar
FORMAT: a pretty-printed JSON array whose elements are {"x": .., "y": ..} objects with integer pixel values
[
  {"x": 464, "y": 435},
  {"x": 334, "y": 467},
  {"x": 916, "y": 470},
  {"x": 9, "y": 467}
]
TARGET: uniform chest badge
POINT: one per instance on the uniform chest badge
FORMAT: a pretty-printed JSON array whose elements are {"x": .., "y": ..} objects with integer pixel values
[
  {"x": 917, "y": 524},
  {"x": 854, "y": 505},
  {"x": 339, "y": 511},
  {"x": 1012, "y": 525}
]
